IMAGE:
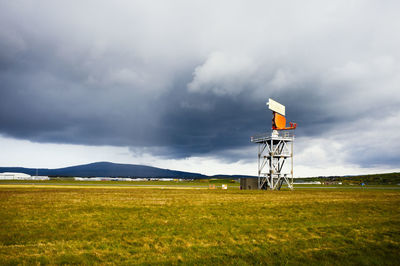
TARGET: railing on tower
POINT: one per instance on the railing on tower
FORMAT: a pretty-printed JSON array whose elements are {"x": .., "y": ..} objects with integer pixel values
[{"x": 280, "y": 133}]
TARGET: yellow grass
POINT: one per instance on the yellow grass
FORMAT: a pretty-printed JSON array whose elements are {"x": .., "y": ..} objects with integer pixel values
[{"x": 131, "y": 225}]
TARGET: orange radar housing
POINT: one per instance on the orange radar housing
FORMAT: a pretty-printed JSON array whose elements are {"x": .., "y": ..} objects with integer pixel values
[{"x": 279, "y": 122}]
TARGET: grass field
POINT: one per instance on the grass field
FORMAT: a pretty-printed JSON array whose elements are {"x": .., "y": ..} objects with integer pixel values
[
  {"x": 70, "y": 181},
  {"x": 101, "y": 225}
]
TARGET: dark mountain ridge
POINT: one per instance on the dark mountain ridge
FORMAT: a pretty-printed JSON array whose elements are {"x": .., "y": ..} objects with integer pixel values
[{"x": 108, "y": 169}]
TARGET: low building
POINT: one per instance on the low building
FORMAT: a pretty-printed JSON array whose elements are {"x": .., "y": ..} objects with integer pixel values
[
  {"x": 249, "y": 183},
  {"x": 21, "y": 176}
]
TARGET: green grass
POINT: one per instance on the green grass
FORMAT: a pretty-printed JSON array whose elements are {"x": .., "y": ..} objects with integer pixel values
[
  {"x": 65, "y": 181},
  {"x": 156, "y": 226},
  {"x": 374, "y": 179}
]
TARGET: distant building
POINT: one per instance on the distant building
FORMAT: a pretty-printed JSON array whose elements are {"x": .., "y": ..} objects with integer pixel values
[
  {"x": 300, "y": 182},
  {"x": 21, "y": 176}
]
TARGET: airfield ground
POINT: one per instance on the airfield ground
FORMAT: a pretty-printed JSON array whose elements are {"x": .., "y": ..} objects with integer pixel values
[{"x": 89, "y": 224}]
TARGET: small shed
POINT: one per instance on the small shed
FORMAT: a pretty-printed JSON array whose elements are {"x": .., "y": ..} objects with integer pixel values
[{"x": 249, "y": 183}]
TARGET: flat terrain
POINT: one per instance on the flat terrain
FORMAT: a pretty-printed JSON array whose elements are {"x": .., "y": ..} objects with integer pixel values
[{"x": 134, "y": 225}]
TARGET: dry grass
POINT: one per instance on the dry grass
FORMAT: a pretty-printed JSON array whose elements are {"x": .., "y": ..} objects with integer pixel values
[{"x": 154, "y": 226}]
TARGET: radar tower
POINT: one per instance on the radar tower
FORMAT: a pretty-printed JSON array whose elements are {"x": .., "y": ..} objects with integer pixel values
[{"x": 274, "y": 150}]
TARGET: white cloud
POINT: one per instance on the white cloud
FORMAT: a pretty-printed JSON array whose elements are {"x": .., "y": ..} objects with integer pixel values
[
  {"x": 23, "y": 153},
  {"x": 223, "y": 74}
]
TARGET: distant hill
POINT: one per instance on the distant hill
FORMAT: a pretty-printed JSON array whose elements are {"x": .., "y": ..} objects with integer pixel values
[{"x": 106, "y": 169}]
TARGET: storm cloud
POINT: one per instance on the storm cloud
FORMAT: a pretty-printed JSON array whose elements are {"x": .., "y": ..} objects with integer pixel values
[{"x": 179, "y": 78}]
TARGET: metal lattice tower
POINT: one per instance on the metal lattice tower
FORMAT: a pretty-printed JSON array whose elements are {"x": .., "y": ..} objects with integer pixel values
[{"x": 274, "y": 152}]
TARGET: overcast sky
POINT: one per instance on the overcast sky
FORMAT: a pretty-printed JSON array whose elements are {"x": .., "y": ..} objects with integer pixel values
[{"x": 183, "y": 84}]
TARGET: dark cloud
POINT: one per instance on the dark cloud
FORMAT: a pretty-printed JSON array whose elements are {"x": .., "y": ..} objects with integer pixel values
[{"x": 192, "y": 81}]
